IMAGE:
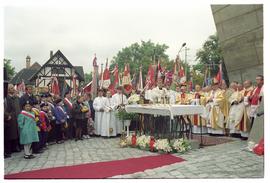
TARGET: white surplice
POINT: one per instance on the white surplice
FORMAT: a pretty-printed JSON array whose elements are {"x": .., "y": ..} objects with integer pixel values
[
  {"x": 118, "y": 99},
  {"x": 108, "y": 121},
  {"x": 98, "y": 104}
]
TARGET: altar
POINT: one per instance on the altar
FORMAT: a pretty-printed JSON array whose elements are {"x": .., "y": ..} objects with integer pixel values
[{"x": 179, "y": 122}]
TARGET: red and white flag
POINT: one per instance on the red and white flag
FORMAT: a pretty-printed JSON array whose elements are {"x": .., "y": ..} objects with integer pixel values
[
  {"x": 106, "y": 77},
  {"x": 21, "y": 88},
  {"x": 159, "y": 71},
  {"x": 100, "y": 83},
  {"x": 219, "y": 74},
  {"x": 87, "y": 88},
  {"x": 55, "y": 86},
  {"x": 126, "y": 80},
  {"x": 115, "y": 82},
  {"x": 182, "y": 75},
  {"x": 74, "y": 86},
  {"x": 94, "y": 84},
  {"x": 150, "y": 78},
  {"x": 140, "y": 83}
]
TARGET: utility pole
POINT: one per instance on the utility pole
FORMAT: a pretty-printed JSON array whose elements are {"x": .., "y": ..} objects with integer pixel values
[{"x": 186, "y": 49}]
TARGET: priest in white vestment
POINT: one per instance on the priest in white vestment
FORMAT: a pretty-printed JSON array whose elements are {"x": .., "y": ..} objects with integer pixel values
[
  {"x": 158, "y": 92},
  {"x": 108, "y": 125},
  {"x": 170, "y": 93},
  {"x": 236, "y": 109},
  {"x": 215, "y": 106},
  {"x": 119, "y": 101},
  {"x": 99, "y": 106}
]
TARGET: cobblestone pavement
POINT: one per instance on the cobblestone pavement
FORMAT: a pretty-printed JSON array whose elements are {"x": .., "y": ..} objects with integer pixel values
[{"x": 228, "y": 160}]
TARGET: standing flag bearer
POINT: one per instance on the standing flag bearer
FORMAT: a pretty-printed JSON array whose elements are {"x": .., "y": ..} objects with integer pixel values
[{"x": 94, "y": 85}]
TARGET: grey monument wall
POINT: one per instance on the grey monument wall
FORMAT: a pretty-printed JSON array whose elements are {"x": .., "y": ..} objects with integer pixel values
[{"x": 240, "y": 32}]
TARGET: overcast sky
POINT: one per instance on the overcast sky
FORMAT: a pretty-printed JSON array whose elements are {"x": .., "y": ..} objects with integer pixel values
[{"x": 81, "y": 32}]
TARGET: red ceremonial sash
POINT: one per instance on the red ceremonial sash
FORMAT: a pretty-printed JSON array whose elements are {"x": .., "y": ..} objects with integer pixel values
[
  {"x": 25, "y": 113},
  {"x": 68, "y": 103}
]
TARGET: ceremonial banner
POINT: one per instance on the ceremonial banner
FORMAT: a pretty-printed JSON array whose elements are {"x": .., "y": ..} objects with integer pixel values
[
  {"x": 126, "y": 81},
  {"x": 219, "y": 74},
  {"x": 140, "y": 83},
  {"x": 94, "y": 79},
  {"x": 55, "y": 86},
  {"x": 21, "y": 88},
  {"x": 182, "y": 75},
  {"x": 150, "y": 79},
  {"x": 100, "y": 83},
  {"x": 106, "y": 77}
]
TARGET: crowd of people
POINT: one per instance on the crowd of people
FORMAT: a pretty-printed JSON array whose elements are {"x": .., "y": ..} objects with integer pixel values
[
  {"x": 32, "y": 122},
  {"x": 227, "y": 110}
]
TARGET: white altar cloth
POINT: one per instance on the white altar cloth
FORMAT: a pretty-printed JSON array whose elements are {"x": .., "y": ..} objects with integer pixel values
[{"x": 165, "y": 109}]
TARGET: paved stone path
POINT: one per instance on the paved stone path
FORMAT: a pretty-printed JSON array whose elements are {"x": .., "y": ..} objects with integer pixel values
[{"x": 228, "y": 160}]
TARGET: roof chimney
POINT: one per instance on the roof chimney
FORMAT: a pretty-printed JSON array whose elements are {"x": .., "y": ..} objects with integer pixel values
[
  {"x": 51, "y": 54},
  {"x": 28, "y": 62}
]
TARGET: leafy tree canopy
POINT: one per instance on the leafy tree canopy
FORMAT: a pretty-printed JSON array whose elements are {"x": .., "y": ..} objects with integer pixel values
[{"x": 10, "y": 69}]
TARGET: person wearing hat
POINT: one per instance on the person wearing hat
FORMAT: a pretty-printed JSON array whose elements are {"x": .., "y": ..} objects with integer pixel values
[
  {"x": 61, "y": 119},
  {"x": 99, "y": 106},
  {"x": 119, "y": 101},
  {"x": 68, "y": 109},
  {"x": 45, "y": 124},
  {"x": 215, "y": 106},
  {"x": 28, "y": 129},
  {"x": 36, "y": 145},
  {"x": 51, "y": 115}
]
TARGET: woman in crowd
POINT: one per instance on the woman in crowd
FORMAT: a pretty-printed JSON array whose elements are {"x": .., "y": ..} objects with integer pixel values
[
  {"x": 28, "y": 129},
  {"x": 61, "y": 120}
]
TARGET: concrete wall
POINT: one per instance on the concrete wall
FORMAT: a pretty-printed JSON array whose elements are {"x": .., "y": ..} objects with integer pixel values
[{"x": 240, "y": 31}]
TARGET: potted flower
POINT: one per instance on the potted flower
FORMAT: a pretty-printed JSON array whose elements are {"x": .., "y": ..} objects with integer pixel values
[{"x": 126, "y": 117}]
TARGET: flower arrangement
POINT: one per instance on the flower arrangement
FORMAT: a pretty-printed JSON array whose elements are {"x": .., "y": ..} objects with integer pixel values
[
  {"x": 181, "y": 145},
  {"x": 143, "y": 141},
  {"x": 163, "y": 145},
  {"x": 160, "y": 145},
  {"x": 134, "y": 99},
  {"x": 128, "y": 140}
]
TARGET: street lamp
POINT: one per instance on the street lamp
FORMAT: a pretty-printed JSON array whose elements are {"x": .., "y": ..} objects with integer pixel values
[{"x": 183, "y": 45}]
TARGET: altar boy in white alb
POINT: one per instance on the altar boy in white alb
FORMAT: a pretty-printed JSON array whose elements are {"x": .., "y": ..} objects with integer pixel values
[
  {"x": 108, "y": 126},
  {"x": 119, "y": 101},
  {"x": 99, "y": 105}
]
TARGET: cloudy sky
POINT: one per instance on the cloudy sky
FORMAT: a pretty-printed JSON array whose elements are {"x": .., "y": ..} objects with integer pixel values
[{"x": 79, "y": 32}]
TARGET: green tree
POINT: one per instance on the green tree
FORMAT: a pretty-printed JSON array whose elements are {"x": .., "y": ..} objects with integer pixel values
[
  {"x": 87, "y": 78},
  {"x": 209, "y": 56},
  {"x": 144, "y": 54},
  {"x": 10, "y": 69}
]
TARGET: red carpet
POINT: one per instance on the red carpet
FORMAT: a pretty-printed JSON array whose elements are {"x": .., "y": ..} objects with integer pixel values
[{"x": 100, "y": 169}]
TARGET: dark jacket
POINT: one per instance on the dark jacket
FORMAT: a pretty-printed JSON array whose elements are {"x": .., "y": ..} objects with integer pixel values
[
  {"x": 60, "y": 115},
  {"x": 13, "y": 109},
  {"x": 31, "y": 98},
  {"x": 77, "y": 111},
  {"x": 92, "y": 109}
]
